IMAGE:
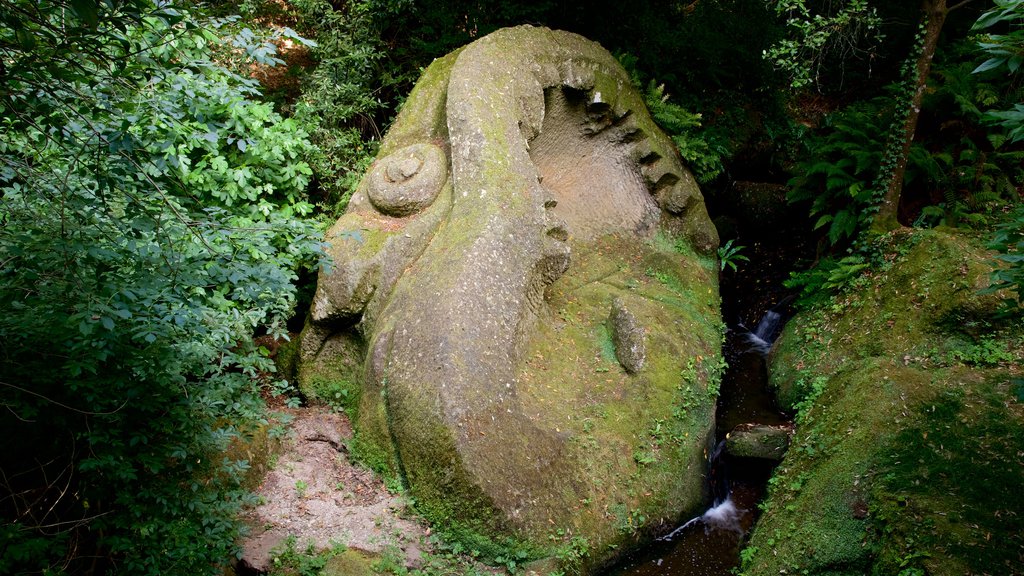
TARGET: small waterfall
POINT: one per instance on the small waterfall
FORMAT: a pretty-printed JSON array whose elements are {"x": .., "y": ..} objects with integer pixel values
[
  {"x": 768, "y": 329},
  {"x": 725, "y": 516},
  {"x": 709, "y": 543},
  {"x": 723, "y": 513}
]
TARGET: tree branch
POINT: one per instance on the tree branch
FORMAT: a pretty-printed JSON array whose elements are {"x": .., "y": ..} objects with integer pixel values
[
  {"x": 959, "y": 5},
  {"x": 73, "y": 409}
]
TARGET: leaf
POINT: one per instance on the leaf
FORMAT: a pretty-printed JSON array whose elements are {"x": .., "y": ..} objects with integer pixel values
[
  {"x": 989, "y": 65},
  {"x": 107, "y": 322},
  {"x": 86, "y": 11},
  {"x": 987, "y": 19},
  {"x": 1014, "y": 63}
]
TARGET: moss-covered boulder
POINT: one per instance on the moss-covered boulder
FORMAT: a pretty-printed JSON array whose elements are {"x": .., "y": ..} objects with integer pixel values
[
  {"x": 907, "y": 455},
  {"x": 525, "y": 227},
  {"x": 761, "y": 441}
]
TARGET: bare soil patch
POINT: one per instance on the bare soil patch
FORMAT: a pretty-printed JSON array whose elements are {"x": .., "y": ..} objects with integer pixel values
[{"x": 316, "y": 495}]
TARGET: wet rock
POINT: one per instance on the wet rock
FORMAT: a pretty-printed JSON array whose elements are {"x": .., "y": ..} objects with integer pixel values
[{"x": 759, "y": 441}]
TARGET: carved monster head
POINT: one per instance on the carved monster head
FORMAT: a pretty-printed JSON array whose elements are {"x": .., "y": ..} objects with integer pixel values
[{"x": 510, "y": 157}]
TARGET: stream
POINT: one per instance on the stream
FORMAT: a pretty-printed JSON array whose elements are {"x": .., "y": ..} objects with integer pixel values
[{"x": 709, "y": 544}]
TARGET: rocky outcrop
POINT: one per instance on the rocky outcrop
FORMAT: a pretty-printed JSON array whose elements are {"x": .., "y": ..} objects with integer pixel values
[
  {"x": 908, "y": 429},
  {"x": 521, "y": 192}
]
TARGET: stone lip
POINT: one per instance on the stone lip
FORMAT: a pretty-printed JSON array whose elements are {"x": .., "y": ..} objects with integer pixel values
[{"x": 761, "y": 441}]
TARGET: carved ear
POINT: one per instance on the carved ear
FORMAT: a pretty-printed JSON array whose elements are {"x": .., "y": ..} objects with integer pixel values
[{"x": 407, "y": 181}]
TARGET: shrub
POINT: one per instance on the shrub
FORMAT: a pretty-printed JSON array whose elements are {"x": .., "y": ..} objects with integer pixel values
[{"x": 150, "y": 221}]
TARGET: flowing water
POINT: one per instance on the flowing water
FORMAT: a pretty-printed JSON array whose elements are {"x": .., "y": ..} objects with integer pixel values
[{"x": 709, "y": 544}]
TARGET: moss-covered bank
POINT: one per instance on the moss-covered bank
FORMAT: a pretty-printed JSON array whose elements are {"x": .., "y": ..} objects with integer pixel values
[{"x": 909, "y": 449}]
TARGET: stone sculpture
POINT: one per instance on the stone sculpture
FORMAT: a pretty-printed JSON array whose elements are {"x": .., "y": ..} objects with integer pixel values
[{"x": 522, "y": 190}]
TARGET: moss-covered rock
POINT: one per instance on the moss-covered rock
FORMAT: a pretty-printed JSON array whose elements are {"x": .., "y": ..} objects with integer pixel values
[
  {"x": 909, "y": 424},
  {"x": 470, "y": 302},
  {"x": 760, "y": 441},
  {"x": 350, "y": 563}
]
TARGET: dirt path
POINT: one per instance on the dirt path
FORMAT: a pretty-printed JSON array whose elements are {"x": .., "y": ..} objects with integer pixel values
[{"x": 315, "y": 494}]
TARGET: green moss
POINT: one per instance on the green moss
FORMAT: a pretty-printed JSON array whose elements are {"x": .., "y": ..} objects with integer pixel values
[
  {"x": 422, "y": 117},
  {"x": 350, "y": 563},
  {"x": 286, "y": 360},
  {"x": 256, "y": 446},
  {"x": 640, "y": 438},
  {"x": 377, "y": 457},
  {"x": 947, "y": 485},
  {"x": 330, "y": 379},
  {"x": 338, "y": 393},
  {"x": 904, "y": 446}
]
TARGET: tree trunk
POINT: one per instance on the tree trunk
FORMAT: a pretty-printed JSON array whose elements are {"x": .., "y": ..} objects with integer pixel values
[{"x": 935, "y": 12}]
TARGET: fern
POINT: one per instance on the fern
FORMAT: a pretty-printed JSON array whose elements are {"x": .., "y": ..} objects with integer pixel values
[
  {"x": 703, "y": 157},
  {"x": 844, "y": 160}
]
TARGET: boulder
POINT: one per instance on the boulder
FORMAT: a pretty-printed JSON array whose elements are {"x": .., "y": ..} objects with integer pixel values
[
  {"x": 759, "y": 441},
  {"x": 521, "y": 192}
]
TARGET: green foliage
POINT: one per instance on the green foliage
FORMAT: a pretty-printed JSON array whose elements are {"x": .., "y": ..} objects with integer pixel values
[
  {"x": 839, "y": 30},
  {"x": 830, "y": 276},
  {"x": 573, "y": 552},
  {"x": 461, "y": 548},
  {"x": 966, "y": 169},
  {"x": 287, "y": 559},
  {"x": 836, "y": 177},
  {"x": 445, "y": 559},
  {"x": 826, "y": 278},
  {"x": 1008, "y": 275},
  {"x": 342, "y": 97},
  {"x": 1007, "y": 50},
  {"x": 683, "y": 127},
  {"x": 1003, "y": 50},
  {"x": 729, "y": 255},
  {"x": 1012, "y": 120},
  {"x": 150, "y": 216},
  {"x": 957, "y": 170},
  {"x": 340, "y": 395}
]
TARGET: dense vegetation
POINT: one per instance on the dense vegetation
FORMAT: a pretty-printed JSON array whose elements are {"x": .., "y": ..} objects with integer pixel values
[
  {"x": 151, "y": 223},
  {"x": 164, "y": 173}
]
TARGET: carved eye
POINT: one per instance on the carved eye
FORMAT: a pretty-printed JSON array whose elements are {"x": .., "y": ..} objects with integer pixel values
[{"x": 408, "y": 180}]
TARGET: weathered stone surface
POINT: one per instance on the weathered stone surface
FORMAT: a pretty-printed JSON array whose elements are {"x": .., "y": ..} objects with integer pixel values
[
  {"x": 489, "y": 378},
  {"x": 628, "y": 337},
  {"x": 408, "y": 180},
  {"x": 759, "y": 441}
]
